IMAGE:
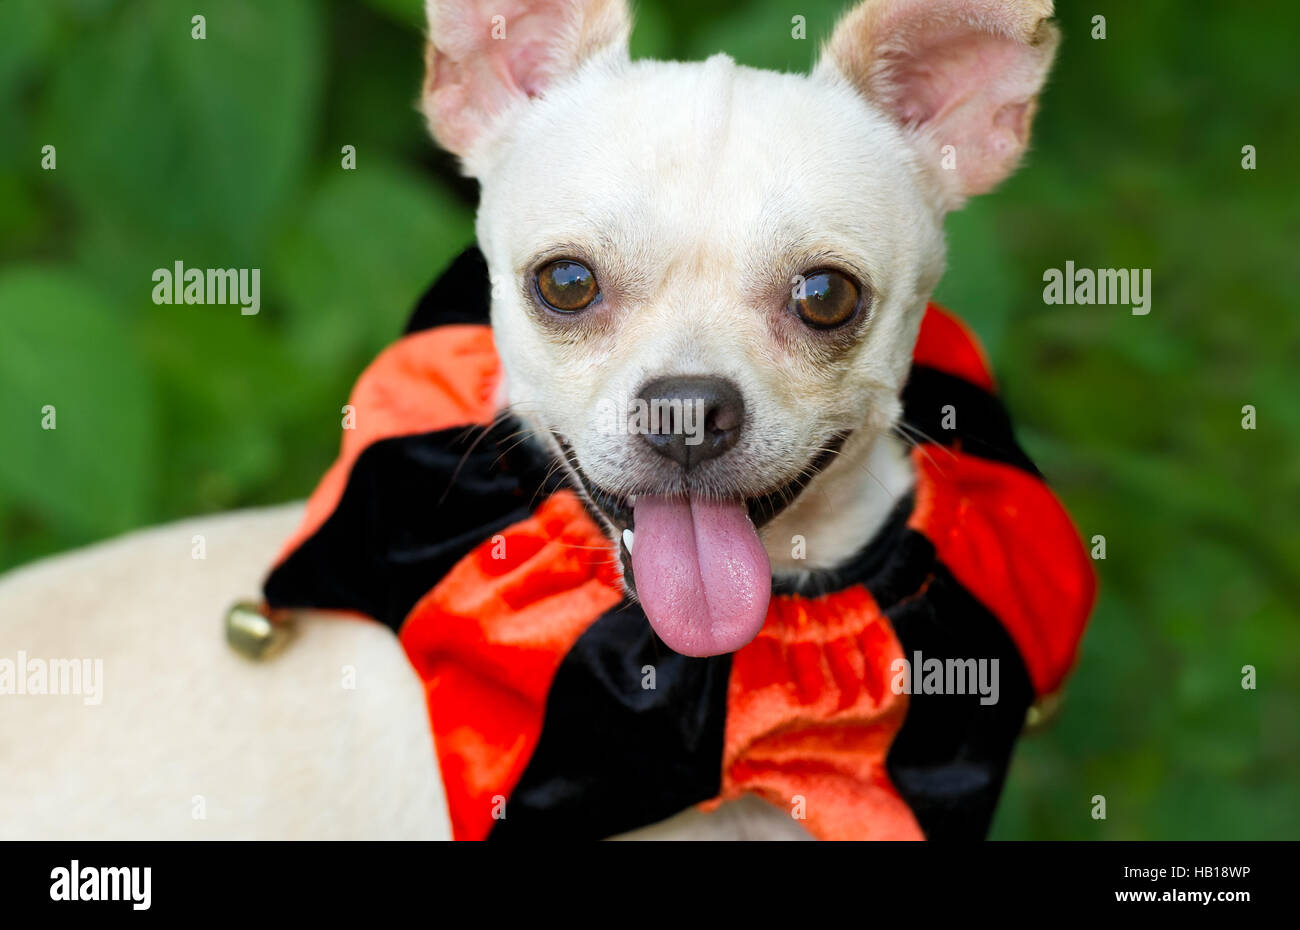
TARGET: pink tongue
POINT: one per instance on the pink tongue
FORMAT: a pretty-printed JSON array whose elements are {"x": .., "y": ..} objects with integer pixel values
[{"x": 701, "y": 573}]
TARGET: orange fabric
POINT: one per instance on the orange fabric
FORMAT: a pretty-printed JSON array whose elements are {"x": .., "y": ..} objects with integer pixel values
[
  {"x": 811, "y": 716},
  {"x": 1007, "y": 539},
  {"x": 488, "y": 639},
  {"x": 946, "y": 344},
  {"x": 426, "y": 381}
]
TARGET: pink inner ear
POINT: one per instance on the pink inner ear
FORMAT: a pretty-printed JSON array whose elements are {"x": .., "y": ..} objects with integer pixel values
[
  {"x": 513, "y": 44},
  {"x": 491, "y": 54},
  {"x": 539, "y": 45},
  {"x": 969, "y": 89},
  {"x": 961, "y": 70}
]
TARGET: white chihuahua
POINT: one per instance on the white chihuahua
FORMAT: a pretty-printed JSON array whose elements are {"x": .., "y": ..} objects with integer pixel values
[{"x": 750, "y": 250}]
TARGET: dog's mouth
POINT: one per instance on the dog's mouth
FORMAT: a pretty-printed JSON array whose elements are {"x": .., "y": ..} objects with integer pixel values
[{"x": 695, "y": 561}]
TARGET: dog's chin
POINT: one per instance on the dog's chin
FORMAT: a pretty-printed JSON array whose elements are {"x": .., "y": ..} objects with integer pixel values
[{"x": 694, "y": 560}]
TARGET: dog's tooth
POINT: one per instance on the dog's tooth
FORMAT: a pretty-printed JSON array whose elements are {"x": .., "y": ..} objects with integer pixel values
[
  {"x": 628, "y": 536},
  {"x": 631, "y": 499}
]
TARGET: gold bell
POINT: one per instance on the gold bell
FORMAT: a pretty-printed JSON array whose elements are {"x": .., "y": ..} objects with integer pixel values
[
  {"x": 1044, "y": 711},
  {"x": 251, "y": 631}
]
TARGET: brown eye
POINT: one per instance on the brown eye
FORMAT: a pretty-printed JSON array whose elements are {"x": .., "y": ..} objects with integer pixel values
[
  {"x": 825, "y": 299},
  {"x": 567, "y": 286}
]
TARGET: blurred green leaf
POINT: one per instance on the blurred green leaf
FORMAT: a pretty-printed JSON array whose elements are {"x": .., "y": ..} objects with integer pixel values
[
  {"x": 407, "y": 13},
  {"x": 762, "y": 33},
  {"x": 64, "y": 349},
  {"x": 192, "y": 145},
  {"x": 348, "y": 289},
  {"x": 28, "y": 30}
]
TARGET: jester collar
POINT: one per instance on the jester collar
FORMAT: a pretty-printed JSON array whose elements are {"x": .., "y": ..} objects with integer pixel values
[{"x": 556, "y": 710}]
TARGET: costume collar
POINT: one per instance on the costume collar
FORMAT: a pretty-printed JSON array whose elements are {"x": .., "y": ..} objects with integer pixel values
[{"x": 549, "y": 694}]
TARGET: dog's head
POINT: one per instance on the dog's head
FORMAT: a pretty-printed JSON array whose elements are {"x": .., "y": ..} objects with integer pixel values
[{"x": 707, "y": 279}]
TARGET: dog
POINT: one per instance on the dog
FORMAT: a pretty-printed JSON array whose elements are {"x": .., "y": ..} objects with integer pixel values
[{"x": 747, "y": 257}]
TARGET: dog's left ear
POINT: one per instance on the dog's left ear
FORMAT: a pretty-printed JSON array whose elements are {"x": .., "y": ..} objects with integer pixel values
[
  {"x": 486, "y": 58},
  {"x": 961, "y": 77}
]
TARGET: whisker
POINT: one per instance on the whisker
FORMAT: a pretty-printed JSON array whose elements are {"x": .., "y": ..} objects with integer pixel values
[
  {"x": 925, "y": 447},
  {"x": 483, "y": 433}
]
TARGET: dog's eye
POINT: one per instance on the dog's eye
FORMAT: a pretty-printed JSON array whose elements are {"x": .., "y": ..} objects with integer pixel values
[
  {"x": 567, "y": 286},
  {"x": 824, "y": 299}
]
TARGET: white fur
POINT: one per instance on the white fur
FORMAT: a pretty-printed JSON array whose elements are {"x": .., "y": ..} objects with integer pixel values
[
  {"x": 268, "y": 750},
  {"x": 272, "y": 750},
  {"x": 720, "y": 185}
]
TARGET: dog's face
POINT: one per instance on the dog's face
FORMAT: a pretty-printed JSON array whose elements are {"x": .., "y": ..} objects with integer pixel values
[{"x": 708, "y": 279}]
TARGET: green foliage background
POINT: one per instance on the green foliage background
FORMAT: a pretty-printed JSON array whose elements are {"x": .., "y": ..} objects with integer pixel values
[{"x": 225, "y": 153}]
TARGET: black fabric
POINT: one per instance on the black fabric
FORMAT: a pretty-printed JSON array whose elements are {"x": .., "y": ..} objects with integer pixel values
[
  {"x": 413, "y": 507},
  {"x": 983, "y": 426},
  {"x": 614, "y": 754},
  {"x": 461, "y": 294},
  {"x": 950, "y": 758}
]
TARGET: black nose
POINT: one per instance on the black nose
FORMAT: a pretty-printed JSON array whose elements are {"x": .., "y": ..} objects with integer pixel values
[{"x": 691, "y": 419}]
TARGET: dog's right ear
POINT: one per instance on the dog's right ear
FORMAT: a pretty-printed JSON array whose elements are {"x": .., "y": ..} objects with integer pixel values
[
  {"x": 960, "y": 77},
  {"x": 485, "y": 58}
]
